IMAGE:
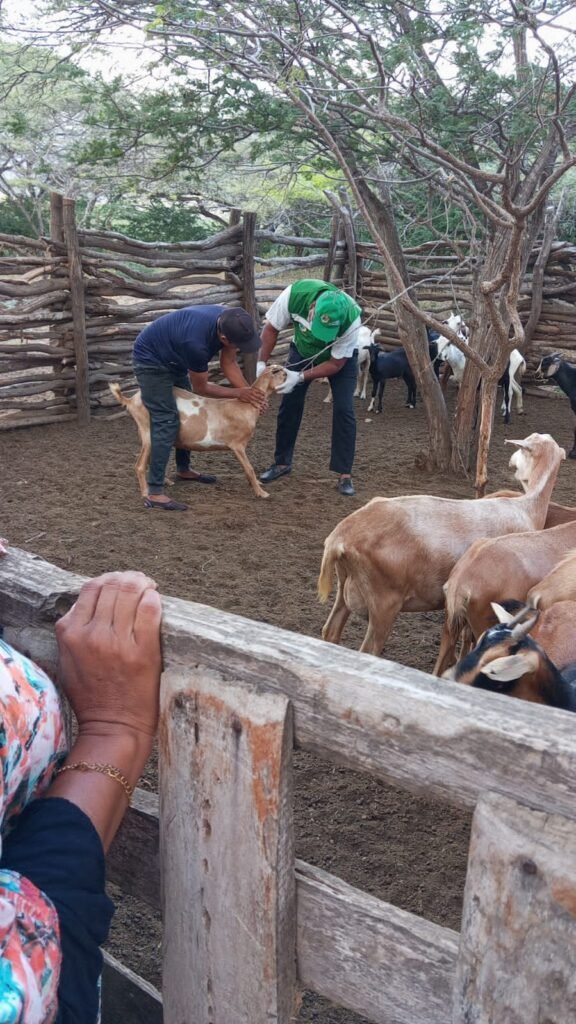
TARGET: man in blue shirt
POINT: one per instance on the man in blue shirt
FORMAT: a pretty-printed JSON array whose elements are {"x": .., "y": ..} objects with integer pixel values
[{"x": 174, "y": 352}]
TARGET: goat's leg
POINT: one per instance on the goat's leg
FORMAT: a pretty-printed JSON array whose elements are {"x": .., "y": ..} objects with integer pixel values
[
  {"x": 240, "y": 454},
  {"x": 141, "y": 467},
  {"x": 446, "y": 374},
  {"x": 381, "y": 386},
  {"x": 334, "y": 625},
  {"x": 328, "y": 398},
  {"x": 365, "y": 373},
  {"x": 374, "y": 393},
  {"x": 410, "y": 382},
  {"x": 447, "y": 652},
  {"x": 517, "y": 389},
  {"x": 381, "y": 618},
  {"x": 505, "y": 382}
]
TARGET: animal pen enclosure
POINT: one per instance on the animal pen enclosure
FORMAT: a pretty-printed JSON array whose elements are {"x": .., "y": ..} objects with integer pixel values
[
  {"x": 244, "y": 923},
  {"x": 73, "y": 303}
]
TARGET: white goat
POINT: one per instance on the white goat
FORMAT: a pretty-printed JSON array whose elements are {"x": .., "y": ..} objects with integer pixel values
[
  {"x": 366, "y": 337},
  {"x": 510, "y": 379},
  {"x": 388, "y": 558}
]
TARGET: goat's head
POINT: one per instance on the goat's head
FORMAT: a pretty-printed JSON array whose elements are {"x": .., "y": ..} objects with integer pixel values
[
  {"x": 549, "y": 365},
  {"x": 456, "y": 323},
  {"x": 433, "y": 349},
  {"x": 271, "y": 378},
  {"x": 375, "y": 351},
  {"x": 504, "y": 655},
  {"x": 532, "y": 450}
]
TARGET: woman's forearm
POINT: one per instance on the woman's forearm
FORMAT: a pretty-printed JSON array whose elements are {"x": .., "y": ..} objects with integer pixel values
[{"x": 102, "y": 797}]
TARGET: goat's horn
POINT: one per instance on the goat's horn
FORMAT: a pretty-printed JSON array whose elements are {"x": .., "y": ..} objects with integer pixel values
[{"x": 523, "y": 622}]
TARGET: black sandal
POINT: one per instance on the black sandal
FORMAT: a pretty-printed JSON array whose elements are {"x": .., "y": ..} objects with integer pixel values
[{"x": 166, "y": 506}]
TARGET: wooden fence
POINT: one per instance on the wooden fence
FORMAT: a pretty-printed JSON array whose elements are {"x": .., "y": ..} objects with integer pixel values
[
  {"x": 72, "y": 304},
  {"x": 245, "y": 924}
]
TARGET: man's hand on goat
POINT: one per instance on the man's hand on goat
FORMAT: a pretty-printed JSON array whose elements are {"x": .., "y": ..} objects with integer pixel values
[
  {"x": 260, "y": 367},
  {"x": 254, "y": 397},
  {"x": 293, "y": 378}
]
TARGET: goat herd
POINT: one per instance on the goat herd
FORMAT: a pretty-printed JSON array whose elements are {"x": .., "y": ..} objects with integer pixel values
[{"x": 503, "y": 567}]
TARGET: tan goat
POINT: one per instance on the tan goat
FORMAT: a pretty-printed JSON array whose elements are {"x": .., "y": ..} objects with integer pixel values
[
  {"x": 494, "y": 570},
  {"x": 206, "y": 424},
  {"x": 559, "y": 584},
  {"x": 395, "y": 554}
]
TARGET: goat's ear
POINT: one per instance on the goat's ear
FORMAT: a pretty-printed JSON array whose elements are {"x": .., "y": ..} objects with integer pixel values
[
  {"x": 525, "y": 443},
  {"x": 511, "y": 666},
  {"x": 501, "y": 614}
]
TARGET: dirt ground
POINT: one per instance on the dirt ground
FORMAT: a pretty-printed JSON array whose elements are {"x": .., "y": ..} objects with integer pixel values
[{"x": 70, "y": 496}]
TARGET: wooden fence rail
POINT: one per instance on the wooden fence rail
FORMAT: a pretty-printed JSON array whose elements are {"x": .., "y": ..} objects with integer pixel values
[{"x": 245, "y": 925}]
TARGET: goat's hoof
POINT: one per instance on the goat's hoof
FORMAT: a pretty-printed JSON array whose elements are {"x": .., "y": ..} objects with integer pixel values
[
  {"x": 409, "y": 405},
  {"x": 263, "y": 494}
]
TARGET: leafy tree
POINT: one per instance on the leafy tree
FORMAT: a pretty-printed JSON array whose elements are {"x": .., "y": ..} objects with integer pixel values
[{"x": 461, "y": 113}]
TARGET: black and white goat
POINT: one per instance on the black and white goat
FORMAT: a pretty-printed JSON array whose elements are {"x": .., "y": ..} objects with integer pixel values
[
  {"x": 508, "y": 660},
  {"x": 392, "y": 365},
  {"x": 564, "y": 375},
  {"x": 510, "y": 379},
  {"x": 366, "y": 338}
]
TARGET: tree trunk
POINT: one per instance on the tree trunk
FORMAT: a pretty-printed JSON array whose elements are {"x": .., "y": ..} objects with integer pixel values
[{"x": 412, "y": 333}]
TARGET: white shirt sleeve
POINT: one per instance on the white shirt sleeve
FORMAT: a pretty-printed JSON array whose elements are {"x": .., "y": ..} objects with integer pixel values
[
  {"x": 344, "y": 346},
  {"x": 278, "y": 315}
]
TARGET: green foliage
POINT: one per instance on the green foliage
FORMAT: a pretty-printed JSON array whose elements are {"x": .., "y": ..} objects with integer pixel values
[{"x": 159, "y": 221}]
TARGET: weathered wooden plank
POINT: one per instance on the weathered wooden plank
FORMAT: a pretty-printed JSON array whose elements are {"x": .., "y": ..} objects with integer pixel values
[
  {"x": 430, "y": 736},
  {"x": 362, "y": 953},
  {"x": 227, "y": 852},
  {"x": 78, "y": 312},
  {"x": 371, "y": 957},
  {"x": 518, "y": 944},
  {"x": 127, "y": 998},
  {"x": 249, "y": 359}
]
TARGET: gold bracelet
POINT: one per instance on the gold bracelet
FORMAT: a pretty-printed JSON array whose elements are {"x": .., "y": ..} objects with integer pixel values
[{"x": 104, "y": 769}]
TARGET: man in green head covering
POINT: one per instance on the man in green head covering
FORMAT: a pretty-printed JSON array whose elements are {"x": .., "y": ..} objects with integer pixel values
[{"x": 325, "y": 322}]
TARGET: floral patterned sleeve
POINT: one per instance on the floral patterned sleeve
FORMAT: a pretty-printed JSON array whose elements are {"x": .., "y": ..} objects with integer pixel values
[{"x": 31, "y": 745}]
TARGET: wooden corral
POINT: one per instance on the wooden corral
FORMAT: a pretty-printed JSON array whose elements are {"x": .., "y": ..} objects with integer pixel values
[
  {"x": 245, "y": 925},
  {"x": 72, "y": 304}
]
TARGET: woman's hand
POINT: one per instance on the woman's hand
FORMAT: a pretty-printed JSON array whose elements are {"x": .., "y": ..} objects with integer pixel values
[{"x": 110, "y": 659}]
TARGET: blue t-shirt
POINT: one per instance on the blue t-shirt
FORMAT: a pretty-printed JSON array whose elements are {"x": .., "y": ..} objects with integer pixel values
[{"x": 183, "y": 340}]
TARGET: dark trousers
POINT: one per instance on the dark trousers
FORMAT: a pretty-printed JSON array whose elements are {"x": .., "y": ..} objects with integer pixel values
[
  {"x": 343, "y": 385},
  {"x": 156, "y": 383}
]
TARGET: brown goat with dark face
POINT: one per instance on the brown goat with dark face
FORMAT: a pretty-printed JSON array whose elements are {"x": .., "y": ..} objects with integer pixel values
[{"x": 507, "y": 659}]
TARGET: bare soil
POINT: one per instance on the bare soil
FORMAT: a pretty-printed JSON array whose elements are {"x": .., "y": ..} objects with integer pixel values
[{"x": 70, "y": 496}]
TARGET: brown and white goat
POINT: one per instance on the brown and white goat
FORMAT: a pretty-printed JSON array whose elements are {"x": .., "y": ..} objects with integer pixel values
[
  {"x": 395, "y": 554},
  {"x": 528, "y": 655},
  {"x": 206, "y": 424},
  {"x": 493, "y": 569}
]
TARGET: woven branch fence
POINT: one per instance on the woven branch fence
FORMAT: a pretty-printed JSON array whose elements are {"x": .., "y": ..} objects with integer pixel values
[{"x": 72, "y": 304}]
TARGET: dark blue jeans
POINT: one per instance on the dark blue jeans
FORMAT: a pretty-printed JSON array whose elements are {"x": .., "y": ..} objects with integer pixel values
[
  {"x": 156, "y": 384},
  {"x": 343, "y": 385}
]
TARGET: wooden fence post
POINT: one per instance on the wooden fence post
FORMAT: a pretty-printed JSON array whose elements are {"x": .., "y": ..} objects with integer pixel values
[
  {"x": 249, "y": 286},
  {"x": 518, "y": 941},
  {"x": 78, "y": 312},
  {"x": 227, "y": 855}
]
